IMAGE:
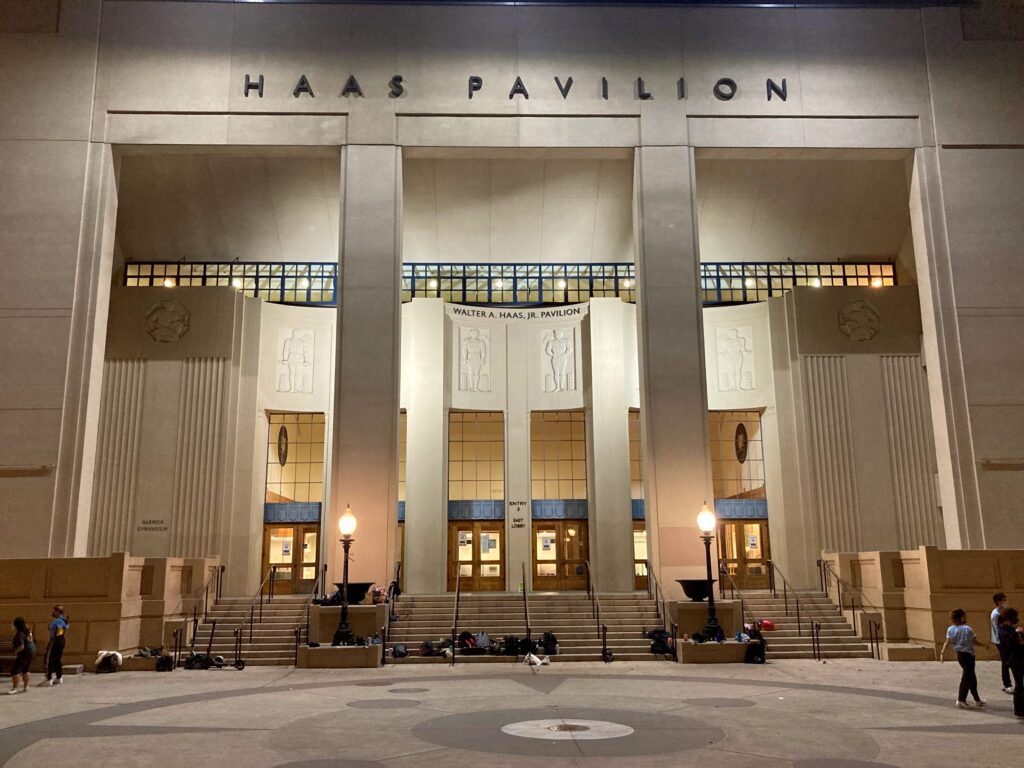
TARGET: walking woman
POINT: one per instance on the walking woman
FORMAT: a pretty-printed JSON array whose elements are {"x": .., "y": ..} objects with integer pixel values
[
  {"x": 24, "y": 649},
  {"x": 1011, "y": 641},
  {"x": 963, "y": 639},
  {"x": 55, "y": 650}
]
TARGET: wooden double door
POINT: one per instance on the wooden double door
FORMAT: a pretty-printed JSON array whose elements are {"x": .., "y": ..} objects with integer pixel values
[
  {"x": 476, "y": 553},
  {"x": 560, "y": 552},
  {"x": 744, "y": 551},
  {"x": 295, "y": 551}
]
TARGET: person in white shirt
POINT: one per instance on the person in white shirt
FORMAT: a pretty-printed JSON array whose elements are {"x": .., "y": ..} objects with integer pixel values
[{"x": 999, "y": 598}]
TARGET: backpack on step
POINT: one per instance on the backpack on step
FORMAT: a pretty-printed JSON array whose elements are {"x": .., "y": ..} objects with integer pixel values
[
  {"x": 549, "y": 643},
  {"x": 511, "y": 646}
]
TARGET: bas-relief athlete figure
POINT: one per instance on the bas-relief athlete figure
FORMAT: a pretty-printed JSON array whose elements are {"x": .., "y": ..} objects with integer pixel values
[
  {"x": 559, "y": 349},
  {"x": 474, "y": 357}
]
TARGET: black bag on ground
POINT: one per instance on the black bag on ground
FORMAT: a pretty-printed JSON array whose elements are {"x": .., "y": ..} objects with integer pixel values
[
  {"x": 198, "y": 661},
  {"x": 427, "y": 648},
  {"x": 165, "y": 664},
  {"x": 511, "y": 646},
  {"x": 549, "y": 643},
  {"x": 466, "y": 640},
  {"x": 527, "y": 645},
  {"x": 661, "y": 641}
]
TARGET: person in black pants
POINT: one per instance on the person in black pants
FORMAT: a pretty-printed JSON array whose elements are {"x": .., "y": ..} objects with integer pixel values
[
  {"x": 1011, "y": 640},
  {"x": 963, "y": 639},
  {"x": 55, "y": 650}
]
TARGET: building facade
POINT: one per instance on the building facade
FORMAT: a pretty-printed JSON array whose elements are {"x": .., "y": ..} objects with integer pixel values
[{"x": 523, "y": 286}]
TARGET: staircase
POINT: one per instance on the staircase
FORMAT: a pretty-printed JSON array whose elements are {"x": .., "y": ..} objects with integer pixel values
[
  {"x": 838, "y": 639},
  {"x": 567, "y": 614},
  {"x": 273, "y": 639}
]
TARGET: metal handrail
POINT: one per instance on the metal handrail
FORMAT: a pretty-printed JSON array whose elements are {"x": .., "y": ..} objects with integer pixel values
[
  {"x": 773, "y": 570},
  {"x": 526, "y": 607},
  {"x": 826, "y": 572},
  {"x": 875, "y": 638},
  {"x": 654, "y": 592},
  {"x": 723, "y": 574},
  {"x": 455, "y": 614},
  {"x": 391, "y": 598},
  {"x": 271, "y": 572},
  {"x": 595, "y": 609}
]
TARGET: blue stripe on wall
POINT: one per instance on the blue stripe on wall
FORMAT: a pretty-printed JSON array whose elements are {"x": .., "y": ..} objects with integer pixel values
[
  {"x": 559, "y": 509},
  {"x": 401, "y": 511},
  {"x": 637, "y": 508},
  {"x": 291, "y": 512},
  {"x": 745, "y": 509},
  {"x": 476, "y": 509}
]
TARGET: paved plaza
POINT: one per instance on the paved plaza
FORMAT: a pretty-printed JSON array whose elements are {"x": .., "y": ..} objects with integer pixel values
[{"x": 842, "y": 714}]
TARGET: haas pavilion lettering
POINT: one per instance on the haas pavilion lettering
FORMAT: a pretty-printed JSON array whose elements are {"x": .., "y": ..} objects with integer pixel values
[{"x": 723, "y": 89}]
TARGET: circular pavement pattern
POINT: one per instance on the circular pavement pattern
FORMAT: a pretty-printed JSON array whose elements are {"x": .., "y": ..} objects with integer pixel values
[
  {"x": 562, "y": 730},
  {"x": 635, "y": 733},
  {"x": 384, "y": 703}
]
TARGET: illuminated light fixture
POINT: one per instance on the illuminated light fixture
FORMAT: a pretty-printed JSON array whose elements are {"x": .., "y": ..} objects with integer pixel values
[
  {"x": 749, "y": 282},
  {"x": 237, "y": 283},
  {"x": 303, "y": 282},
  {"x": 499, "y": 284},
  {"x": 562, "y": 284},
  {"x": 432, "y": 283},
  {"x": 627, "y": 283},
  {"x": 706, "y": 519},
  {"x": 347, "y": 522},
  {"x": 816, "y": 282},
  {"x": 168, "y": 282},
  {"x": 876, "y": 282}
]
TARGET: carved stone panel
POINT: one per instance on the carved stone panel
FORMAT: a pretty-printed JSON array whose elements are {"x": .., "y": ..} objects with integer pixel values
[
  {"x": 167, "y": 321},
  {"x": 474, "y": 359},
  {"x": 735, "y": 349},
  {"x": 559, "y": 360},
  {"x": 859, "y": 320},
  {"x": 295, "y": 360}
]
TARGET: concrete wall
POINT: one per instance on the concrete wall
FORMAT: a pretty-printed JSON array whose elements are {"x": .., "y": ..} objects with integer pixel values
[
  {"x": 113, "y": 603},
  {"x": 913, "y": 591},
  {"x": 164, "y": 73},
  {"x": 520, "y": 210}
]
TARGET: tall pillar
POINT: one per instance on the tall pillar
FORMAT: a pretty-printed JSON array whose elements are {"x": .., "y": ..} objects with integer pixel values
[
  {"x": 426, "y": 519},
  {"x": 611, "y": 520},
  {"x": 677, "y": 473},
  {"x": 364, "y": 470},
  {"x": 518, "y": 506}
]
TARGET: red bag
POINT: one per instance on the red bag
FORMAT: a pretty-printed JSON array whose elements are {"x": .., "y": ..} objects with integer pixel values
[{"x": 767, "y": 625}]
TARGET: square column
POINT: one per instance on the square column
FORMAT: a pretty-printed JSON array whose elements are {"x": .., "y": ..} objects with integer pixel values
[
  {"x": 364, "y": 471},
  {"x": 611, "y": 520},
  {"x": 673, "y": 395},
  {"x": 426, "y": 450}
]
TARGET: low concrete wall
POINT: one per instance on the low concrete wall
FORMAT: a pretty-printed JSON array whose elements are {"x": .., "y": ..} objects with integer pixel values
[
  {"x": 364, "y": 621},
  {"x": 114, "y": 603},
  {"x": 914, "y": 590},
  {"x": 691, "y": 617}
]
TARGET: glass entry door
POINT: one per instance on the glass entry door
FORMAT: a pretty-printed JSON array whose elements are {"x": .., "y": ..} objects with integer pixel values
[
  {"x": 295, "y": 550},
  {"x": 744, "y": 551},
  {"x": 640, "y": 555},
  {"x": 476, "y": 551},
  {"x": 560, "y": 552}
]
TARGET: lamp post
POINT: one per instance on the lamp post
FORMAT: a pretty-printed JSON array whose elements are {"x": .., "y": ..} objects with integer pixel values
[
  {"x": 347, "y": 526},
  {"x": 706, "y": 522}
]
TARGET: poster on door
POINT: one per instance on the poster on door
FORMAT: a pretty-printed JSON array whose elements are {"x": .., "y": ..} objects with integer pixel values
[{"x": 486, "y": 543}]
